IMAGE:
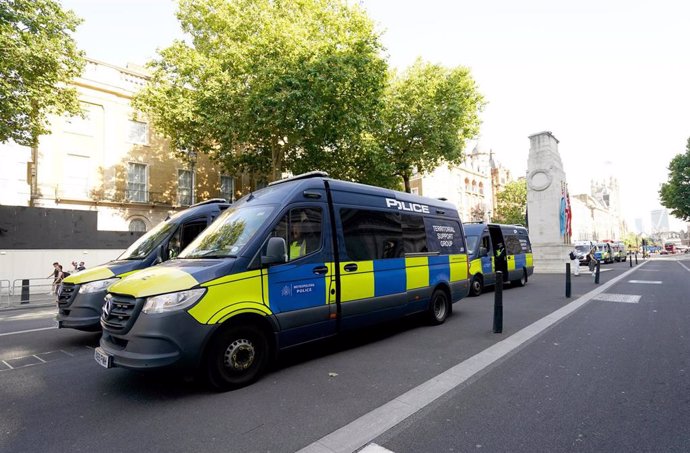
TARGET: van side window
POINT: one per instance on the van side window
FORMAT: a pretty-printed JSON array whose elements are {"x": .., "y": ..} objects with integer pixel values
[
  {"x": 190, "y": 231},
  {"x": 486, "y": 243},
  {"x": 414, "y": 234},
  {"x": 371, "y": 235},
  {"x": 301, "y": 229},
  {"x": 524, "y": 242},
  {"x": 444, "y": 236},
  {"x": 513, "y": 246}
]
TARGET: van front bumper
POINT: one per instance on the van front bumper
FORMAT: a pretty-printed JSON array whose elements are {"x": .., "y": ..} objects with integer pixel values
[
  {"x": 158, "y": 340},
  {"x": 82, "y": 312}
]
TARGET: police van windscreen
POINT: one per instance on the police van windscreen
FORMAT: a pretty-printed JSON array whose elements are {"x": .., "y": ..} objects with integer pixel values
[
  {"x": 227, "y": 236},
  {"x": 143, "y": 246},
  {"x": 582, "y": 248},
  {"x": 472, "y": 242}
]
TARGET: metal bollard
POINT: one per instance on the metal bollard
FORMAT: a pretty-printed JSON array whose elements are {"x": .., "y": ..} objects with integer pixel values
[
  {"x": 25, "y": 296},
  {"x": 630, "y": 259},
  {"x": 635, "y": 257},
  {"x": 498, "y": 303},
  {"x": 567, "y": 280},
  {"x": 596, "y": 275}
]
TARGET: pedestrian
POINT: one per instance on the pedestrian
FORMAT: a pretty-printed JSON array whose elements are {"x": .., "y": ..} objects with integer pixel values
[
  {"x": 592, "y": 260},
  {"x": 74, "y": 266},
  {"x": 81, "y": 266},
  {"x": 574, "y": 262},
  {"x": 54, "y": 274},
  {"x": 58, "y": 280}
]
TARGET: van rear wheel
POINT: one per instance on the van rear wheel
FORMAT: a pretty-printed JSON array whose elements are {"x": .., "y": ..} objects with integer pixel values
[
  {"x": 476, "y": 286},
  {"x": 522, "y": 281},
  {"x": 237, "y": 356},
  {"x": 439, "y": 307}
]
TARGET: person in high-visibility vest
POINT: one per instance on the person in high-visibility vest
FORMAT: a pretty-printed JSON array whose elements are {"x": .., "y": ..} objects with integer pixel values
[{"x": 297, "y": 244}]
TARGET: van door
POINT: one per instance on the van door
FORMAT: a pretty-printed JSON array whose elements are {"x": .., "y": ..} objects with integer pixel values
[
  {"x": 499, "y": 250},
  {"x": 487, "y": 259},
  {"x": 299, "y": 291}
]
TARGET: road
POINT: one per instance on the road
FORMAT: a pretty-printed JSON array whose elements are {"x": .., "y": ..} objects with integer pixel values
[{"x": 559, "y": 390}]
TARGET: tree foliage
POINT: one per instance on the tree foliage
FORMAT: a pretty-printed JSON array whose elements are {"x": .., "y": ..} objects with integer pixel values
[
  {"x": 429, "y": 113},
  {"x": 38, "y": 58},
  {"x": 511, "y": 203},
  {"x": 675, "y": 193},
  {"x": 267, "y": 86}
]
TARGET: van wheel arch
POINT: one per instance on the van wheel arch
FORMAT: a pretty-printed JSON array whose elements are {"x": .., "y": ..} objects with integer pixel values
[
  {"x": 248, "y": 341},
  {"x": 440, "y": 305},
  {"x": 476, "y": 285}
]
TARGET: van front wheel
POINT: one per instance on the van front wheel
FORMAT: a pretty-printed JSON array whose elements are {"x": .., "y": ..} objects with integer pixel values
[
  {"x": 236, "y": 357},
  {"x": 439, "y": 308},
  {"x": 476, "y": 286},
  {"x": 522, "y": 281}
]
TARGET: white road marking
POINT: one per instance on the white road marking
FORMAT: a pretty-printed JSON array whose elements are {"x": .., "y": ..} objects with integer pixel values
[
  {"x": 38, "y": 358},
  {"x": 374, "y": 448},
  {"x": 8, "y": 365},
  {"x": 684, "y": 266},
  {"x": 647, "y": 282},
  {"x": 26, "y": 331},
  {"x": 626, "y": 298},
  {"x": 368, "y": 427}
]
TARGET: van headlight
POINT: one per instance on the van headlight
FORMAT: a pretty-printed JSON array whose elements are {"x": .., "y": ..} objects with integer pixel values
[
  {"x": 172, "y": 301},
  {"x": 98, "y": 285}
]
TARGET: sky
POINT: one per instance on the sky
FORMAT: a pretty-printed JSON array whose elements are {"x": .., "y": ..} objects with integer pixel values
[{"x": 609, "y": 78}]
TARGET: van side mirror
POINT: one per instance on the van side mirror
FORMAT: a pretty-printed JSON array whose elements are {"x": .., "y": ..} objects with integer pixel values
[
  {"x": 483, "y": 251},
  {"x": 276, "y": 252}
]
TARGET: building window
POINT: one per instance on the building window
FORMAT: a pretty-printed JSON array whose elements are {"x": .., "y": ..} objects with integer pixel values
[
  {"x": 414, "y": 190},
  {"x": 137, "y": 182},
  {"x": 467, "y": 185},
  {"x": 86, "y": 125},
  {"x": 481, "y": 188},
  {"x": 184, "y": 187},
  {"x": 227, "y": 188},
  {"x": 137, "y": 225},
  {"x": 138, "y": 132}
]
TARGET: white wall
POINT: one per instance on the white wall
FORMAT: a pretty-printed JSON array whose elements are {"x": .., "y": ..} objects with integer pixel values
[{"x": 35, "y": 264}]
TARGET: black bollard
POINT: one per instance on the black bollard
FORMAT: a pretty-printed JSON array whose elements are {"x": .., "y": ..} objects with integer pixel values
[
  {"x": 596, "y": 276},
  {"x": 635, "y": 257},
  {"x": 25, "y": 296},
  {"x": 498, "y": 303},
  {"x": 630, "y": 259},
  {"x": 567, "y": 280}
]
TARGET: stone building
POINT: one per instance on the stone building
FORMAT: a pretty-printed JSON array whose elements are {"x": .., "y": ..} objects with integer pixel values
[
  {"x": 111, "y": 160},
  {"x": 597, "y": 216},
  {"x": 471, "y": 186}
]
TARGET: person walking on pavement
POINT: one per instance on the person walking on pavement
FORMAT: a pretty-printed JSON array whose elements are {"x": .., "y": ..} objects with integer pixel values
[
  {"x": 593, "y": 261},
  {"x": 54, "y": 274}
]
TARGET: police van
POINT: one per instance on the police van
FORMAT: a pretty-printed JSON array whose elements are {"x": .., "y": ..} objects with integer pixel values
[
  {"x": 496, "y": 247},
  {"x": 83, "y": 293},
  {"x": 303, "y": 259}
]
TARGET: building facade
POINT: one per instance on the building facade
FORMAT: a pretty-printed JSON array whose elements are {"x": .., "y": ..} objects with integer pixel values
[
  {"x": 597, "y": 216},
  {"x": 111, "y": 160},
  {"x": 471, "y": 186}
]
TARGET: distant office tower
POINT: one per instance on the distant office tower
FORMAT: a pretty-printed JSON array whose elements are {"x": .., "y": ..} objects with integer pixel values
[{"x": 660, "y": 221}]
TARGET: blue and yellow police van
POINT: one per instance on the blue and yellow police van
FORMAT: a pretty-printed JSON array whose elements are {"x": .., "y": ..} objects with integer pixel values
[
  {"x": 496, "y": 247},
  {"x": 303, "y": 259},
  {"x": 83, "y": 293}
]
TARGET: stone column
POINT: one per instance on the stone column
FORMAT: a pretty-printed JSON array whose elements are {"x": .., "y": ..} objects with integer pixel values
[{"x": 545, "y": 183}]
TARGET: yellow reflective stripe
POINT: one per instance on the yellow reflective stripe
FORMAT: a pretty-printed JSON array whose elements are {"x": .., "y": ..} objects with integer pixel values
[
  {"x": 417, "y": 272},
  {"x": 236, "y": 309},
  {"x": 228, "y": 294},
  {"x": 358, "y": 284},
  {"x": 154, "y": 280},
  {"x": 511, "y": 262},
  {"x": 475, "y": 266},
  {"x": 90, "y": 275},
  {"x": 458, "y": 267},
  {"x": 528, "y": 260},
  {"x": 127, "y": 274}
]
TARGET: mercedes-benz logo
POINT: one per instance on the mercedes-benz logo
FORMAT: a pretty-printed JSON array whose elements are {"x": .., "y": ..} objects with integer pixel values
[{"x": 108, "y": 305}]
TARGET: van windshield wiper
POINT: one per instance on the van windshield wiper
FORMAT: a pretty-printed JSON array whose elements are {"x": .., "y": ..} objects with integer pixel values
[{"x": 209, "y": 254}]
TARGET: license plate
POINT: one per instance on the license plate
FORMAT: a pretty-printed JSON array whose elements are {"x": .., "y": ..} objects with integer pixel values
[{"x": 103, "y": 359}]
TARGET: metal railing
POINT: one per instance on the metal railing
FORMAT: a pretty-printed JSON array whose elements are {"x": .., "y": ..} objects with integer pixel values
[{"x": 24, "y": 291}]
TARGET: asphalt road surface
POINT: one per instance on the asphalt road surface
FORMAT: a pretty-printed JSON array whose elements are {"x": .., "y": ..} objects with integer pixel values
[{"x": 611, "y": 376}]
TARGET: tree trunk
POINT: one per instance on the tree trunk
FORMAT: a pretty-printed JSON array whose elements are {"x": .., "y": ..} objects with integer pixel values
[{"x": 406, "y": 180}]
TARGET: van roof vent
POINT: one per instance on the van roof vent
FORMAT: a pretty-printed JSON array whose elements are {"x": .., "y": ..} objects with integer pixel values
[{"x": 311, "y": 174}]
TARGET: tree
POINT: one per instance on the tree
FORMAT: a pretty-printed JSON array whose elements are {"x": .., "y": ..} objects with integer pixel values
[
  {"x": 429, "y": 113},
  {"x": 675, "y": 194},
  {"x": 38, "y": 59},
  {"x": 511, "y": 203},
  {"x": 268, "y": 86}
]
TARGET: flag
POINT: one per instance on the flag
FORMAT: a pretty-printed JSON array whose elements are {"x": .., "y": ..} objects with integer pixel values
[{"x": 568, "y": 215}]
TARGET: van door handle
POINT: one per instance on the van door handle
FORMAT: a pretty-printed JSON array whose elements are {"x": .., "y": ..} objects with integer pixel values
[
  {"x": 350, "y": 267},
  {"x": 320, "y": 270}
]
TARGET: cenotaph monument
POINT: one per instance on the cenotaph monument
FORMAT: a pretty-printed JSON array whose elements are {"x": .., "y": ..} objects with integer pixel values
[{"x": 547, "y": 203}]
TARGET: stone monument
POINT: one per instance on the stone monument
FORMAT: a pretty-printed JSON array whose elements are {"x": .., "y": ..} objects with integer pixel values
[{"x": 547, "y": 204}]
